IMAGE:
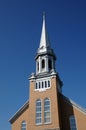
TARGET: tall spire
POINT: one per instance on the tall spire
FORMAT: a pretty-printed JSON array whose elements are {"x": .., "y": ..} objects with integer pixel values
[
  {"x": 45, "y": 57},
  {"x": 44, "y": 41}
]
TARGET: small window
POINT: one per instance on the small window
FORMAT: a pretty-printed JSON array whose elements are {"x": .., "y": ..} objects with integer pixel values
[
  {"x": 46, "y": 110},
  {"x": 42, "y": 85},
  {"x": 72, "y": 123},
  {"x": 45, "y": 84},
  {"x": 38, "y": 112},
  {"x": 50, "y": 64},
  {"x": 23, "y": 125},
  {"x": 43, "y": 64},
  {"x": 39, "y": 85},
  {"x": 48, "y": 83},
  {"x": 36, "y": 86}
]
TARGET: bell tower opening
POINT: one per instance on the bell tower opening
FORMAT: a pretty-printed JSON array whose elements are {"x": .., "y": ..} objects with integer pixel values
[
  {"x": 43, "y": 64},
  {"x": 50, "y": 64}
]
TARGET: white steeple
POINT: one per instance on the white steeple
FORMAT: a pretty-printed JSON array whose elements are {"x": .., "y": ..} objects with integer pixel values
[
  {"x": 45, "y": 57},
  {"x": 44, "y": 41}
]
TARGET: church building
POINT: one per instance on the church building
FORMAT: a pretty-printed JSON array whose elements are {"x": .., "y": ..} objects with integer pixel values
[{"x": 47, "y": 108}]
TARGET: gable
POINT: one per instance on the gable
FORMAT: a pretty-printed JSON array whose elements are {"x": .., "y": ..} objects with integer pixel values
[{"x": 19, "y": 112}]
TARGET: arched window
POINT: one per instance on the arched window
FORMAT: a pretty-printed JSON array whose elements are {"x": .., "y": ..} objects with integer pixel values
[
  {"x": 46, "y": 110},
  {"x": 43, "y": 64},
  {"x": 23, "y": 125},
  {"x": 38, "y": 112},
  {"x": 72, "y": 123},
  {"x": 50, "y": 64}
]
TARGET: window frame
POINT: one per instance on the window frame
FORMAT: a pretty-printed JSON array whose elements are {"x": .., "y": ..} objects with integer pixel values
[
  {"x": 73, "y": 125},
  {"x": 42, "y": 85},
  {"x": 38, "y": 112},
  {"x": 25, "y": 125},
  {"x": 47, "y": 111}
]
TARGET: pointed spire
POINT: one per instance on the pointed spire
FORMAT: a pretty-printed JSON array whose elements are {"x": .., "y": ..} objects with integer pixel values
[{"x": 44, "y": 41}]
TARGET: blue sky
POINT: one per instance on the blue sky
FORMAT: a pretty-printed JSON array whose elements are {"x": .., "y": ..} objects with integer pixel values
[{"x": 20, "y": 30}]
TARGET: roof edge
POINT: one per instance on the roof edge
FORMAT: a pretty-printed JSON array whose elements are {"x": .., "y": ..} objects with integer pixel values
[
  {"x": 77, "y": 106},
  {"x": 19, "y": 112}
]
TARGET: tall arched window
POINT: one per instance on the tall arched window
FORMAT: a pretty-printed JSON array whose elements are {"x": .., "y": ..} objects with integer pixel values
[
  {"x": 73, "y": 123},
  {"x": 23, "y": 125},
  {"x": 38, "y": 112},
  {"x": 43, "y": 64},
  {"x": 46, "y": 110}
]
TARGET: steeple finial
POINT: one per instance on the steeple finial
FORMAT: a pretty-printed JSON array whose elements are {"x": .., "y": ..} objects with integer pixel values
[{"x": 44, "y": 16}]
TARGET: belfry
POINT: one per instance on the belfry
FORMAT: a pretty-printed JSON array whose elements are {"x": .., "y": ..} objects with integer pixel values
[{"x": 45, "y": 58}]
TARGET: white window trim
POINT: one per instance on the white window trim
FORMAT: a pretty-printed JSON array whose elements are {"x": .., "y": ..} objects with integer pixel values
[
  {"x": 25, "y": 123},
  {"x": 50, "y": 112},
  {"x": 41, "y": 113},
  {"x": 44, "y": 88},
  {"x": 72, "y": 116}
]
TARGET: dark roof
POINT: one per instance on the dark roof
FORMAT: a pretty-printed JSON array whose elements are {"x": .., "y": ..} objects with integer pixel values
[
  {"x": 19, "y": 112},
  {"x": 75, "y": 105}
]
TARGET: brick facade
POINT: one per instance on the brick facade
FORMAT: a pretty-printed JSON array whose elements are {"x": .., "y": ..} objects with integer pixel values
[{"x": 61, "y": 110}]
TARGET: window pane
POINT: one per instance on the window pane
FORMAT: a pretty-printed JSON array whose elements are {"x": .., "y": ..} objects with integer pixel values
[
  {"x": 47, "y": 114},
  {"x": 38, "y": 114},
  {"x": 23, "y": 125},
  {"x": 38, "y": 111},
  {"x": 47, "y": 120},
  {"x": 46, "y": 110},
  {"x": 73, "y": 123},
  {"x": 46, "y": 102},
  {"x": 38, "y": 103},
  {"x": 38, "y": 121}
]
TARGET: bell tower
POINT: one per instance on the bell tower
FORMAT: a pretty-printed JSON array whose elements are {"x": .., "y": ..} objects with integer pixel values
[{"x": 44, "y": 87}]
